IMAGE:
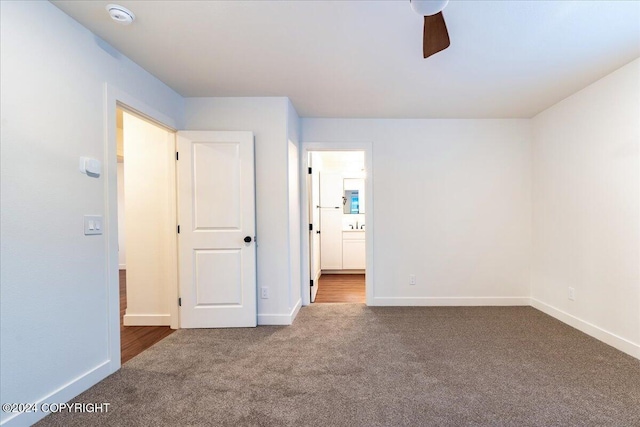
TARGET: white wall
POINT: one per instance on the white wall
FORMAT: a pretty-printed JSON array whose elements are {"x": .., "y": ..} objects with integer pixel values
[
  {"x": 267, "y": 118},
  {"x": 452, "y": 206},
  {"x": 54, "y": 318},
  {"x": 586, "y": 209}
]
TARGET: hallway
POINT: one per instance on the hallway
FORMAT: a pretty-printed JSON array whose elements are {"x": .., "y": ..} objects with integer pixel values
[
  {"x": 341, "y": 288},
  {"x": 136, "y": 339}
]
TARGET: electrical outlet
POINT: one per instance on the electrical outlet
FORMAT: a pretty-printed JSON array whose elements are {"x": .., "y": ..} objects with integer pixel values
[
  {"x": 264, "y": 293},
  {"x": 572, "y": 294},
  {"x": 412, "y": 279}
]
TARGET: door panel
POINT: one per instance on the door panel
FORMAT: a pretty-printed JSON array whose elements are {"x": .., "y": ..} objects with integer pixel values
[
  {"x": 216, "y": 212},
  {"x": 218, "y": 277},
  {"x": 331, "y": 190},
  {"x": 216, "y": 206},
  {"x": 331, "y": 239}
]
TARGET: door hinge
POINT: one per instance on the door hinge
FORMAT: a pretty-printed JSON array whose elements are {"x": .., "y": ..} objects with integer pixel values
[
  {"x": 318, "y": 232},
  {"x": 310, "y": 227},
  {"x": 179, "y": 302},
  {"x": 178, "y": 229},
  {"x": 177, "y": 156},
  {"x": 312, "y": 283},
  {"x": 309, "y": 171}
]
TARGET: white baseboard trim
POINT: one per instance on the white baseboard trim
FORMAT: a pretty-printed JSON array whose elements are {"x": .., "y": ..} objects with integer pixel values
[
  {"x": 590, "y": 329},
  {"x": 342, "y": 271},
  {"x": 280, "y": 319},
  {"x": 61, "y": 395},
  {"x": 295, "y": 310},
  {"x": 450, "y": 301},
  {"x": 147, "y": 320}
]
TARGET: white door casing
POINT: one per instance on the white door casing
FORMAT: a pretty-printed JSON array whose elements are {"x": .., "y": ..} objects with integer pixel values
[
  {"x": 367, "y": 148},
  {"x": 216, "y": 211}
]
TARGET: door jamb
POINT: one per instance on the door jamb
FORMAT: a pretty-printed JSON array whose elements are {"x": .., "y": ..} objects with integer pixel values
[
  {"x": 307, "y": 147},
  {"x": 114, "y": 98}
]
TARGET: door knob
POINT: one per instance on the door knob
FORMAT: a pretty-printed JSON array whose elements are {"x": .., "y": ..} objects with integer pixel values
[{"x": 247, "y": 239}]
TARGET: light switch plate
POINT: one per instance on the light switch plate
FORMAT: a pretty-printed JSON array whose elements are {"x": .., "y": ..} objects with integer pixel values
[{"x": 92, "y": 225}]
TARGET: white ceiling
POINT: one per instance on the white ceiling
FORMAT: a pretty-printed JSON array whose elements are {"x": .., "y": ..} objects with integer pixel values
[{"x": 364, "y": 58}]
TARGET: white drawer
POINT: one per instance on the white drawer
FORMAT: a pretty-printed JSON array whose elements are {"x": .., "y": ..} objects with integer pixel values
[{"x": 353, "y": 235}]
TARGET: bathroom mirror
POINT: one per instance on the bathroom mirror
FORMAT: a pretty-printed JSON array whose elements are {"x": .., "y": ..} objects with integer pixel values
[
  {"x": 351, "y": 202},
  {"x": 353, "y": 197}
]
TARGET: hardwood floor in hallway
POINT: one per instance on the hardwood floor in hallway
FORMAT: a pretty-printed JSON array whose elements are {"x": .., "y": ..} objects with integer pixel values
[
  {"x": 334, "y": 288},
  {"x": 136, "y": 339}
]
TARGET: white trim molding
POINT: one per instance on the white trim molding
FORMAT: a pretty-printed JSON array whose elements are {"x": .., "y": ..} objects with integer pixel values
[
  {"x": 147, "y": 320},
  {"x": 615, "y": 341},
  {"x": 280, "y": 319},
  {"x": 63, "y": 394},
  {"x": 450, "y": 301}
]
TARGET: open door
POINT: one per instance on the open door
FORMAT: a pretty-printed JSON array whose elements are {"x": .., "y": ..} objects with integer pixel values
[
  {"x": 313, "y": 190},
  {"x": 216, "y": 213}
]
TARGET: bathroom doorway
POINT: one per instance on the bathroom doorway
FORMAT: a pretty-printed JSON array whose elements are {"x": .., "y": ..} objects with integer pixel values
[{"x": 335, "y": 201}]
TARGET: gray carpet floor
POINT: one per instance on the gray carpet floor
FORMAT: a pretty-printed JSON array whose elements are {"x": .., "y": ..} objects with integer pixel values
[{"x": 351, "y": 365}]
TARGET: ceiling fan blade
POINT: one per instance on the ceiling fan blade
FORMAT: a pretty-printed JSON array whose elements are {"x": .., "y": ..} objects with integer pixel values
[{"x": 435, "y": 36}]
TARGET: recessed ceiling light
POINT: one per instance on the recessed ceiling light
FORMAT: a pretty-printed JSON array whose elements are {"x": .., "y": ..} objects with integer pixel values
[{"x": 120, "y": 14}]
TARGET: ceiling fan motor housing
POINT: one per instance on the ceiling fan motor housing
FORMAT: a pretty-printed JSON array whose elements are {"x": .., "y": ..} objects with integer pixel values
[{"x": 428, "y": 7}]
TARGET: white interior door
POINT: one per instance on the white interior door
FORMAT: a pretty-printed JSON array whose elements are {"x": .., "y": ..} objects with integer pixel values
[
  {"x": 331, "y": 239},
  {"x": 314, "y": 234},
  {"x": 331, "y": 202},
  {"x": 216, "y": 211},
  {"x": 331, "y": 190}
]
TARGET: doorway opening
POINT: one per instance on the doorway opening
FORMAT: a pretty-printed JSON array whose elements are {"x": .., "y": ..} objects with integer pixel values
[
  {"x": 337, "y": 206},
  {"x": 147, "y": 248}
]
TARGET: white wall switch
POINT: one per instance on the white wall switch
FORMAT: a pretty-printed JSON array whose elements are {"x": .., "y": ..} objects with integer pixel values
[
  {"x": 412, "y": 279},
  {"x": 92, "y": 224}
]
